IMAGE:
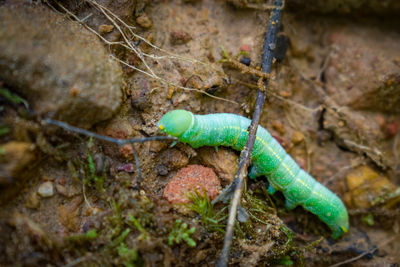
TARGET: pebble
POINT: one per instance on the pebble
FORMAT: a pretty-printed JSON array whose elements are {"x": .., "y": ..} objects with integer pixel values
[
  {"x": 171, "y": 159},
  {"x": 68, "y": 214},
  {"x": 144, "y": 21},
  {"x": 126, "y": 150},
  {"x": 365, "y": 185},
  {"x": 245, "y": 48},
  {"x": 15, "y": 158},
  {"x": 32, "y": 201},
  {"x": 105, "y": 28},
  {"x": 126, "y": 168},
  {"x": 392, "y": 129},
  {"x": 46, "y": 189},
  {"x": 245, "y": 60},
  {"x": 297, "y": 137},
  {"x": 189, "y": 180},
  {"x": 179, "y": 37},
  {"x": 278, "y": 126},
  {"x": 157, "y": 146},
  {"x": 62, "y": 190},
  {"x": 224, "y": 162}
]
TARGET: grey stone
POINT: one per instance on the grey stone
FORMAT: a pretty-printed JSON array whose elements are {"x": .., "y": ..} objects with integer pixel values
[{"x": 61, "y": 68}]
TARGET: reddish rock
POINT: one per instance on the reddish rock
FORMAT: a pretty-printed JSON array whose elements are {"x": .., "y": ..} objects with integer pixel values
[
  {"x": 392, "y": 129},
  {"x": 126, "y": 150},
  {"x": 245, "y": 48},
  {"x": 126, "y": 168},
  {"x": 180, "y": 37},
  {"x": 189, "y": 180}
]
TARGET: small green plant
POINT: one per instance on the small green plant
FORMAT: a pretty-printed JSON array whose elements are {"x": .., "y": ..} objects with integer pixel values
[
  {"x": 92, "y": 178},
  {"x": 135, "y": 222},
  {"x": 128, "y": 256},
  {"x": 202, "y": 205},
  {"x": 13, "y": 97},
  {"x": 4, "y": 129},
  {"x": 368, "y": 219},
  {"x": 284, "y": 261},
  {"x": 116, "y": 218},
  {"x": 120, "y": 239},
  {"x": 82, "y": 238},
  {"x": 180, "y": 232}
]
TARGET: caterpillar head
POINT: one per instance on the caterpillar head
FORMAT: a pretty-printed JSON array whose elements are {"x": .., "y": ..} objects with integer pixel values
[{"x": 175, "y": 122}]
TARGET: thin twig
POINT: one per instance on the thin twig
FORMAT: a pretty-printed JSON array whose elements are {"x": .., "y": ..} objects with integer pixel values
[
  {"x": 129, "y": 46},
  {"x": 85, "y": 198},
  {"x": 139, "y": 172},
  {"x": 173, "y": 84},
  {"x": 268, "y": 55},
  {"x": 117, "y": 141},
  {"x": 269, "y": 92}
]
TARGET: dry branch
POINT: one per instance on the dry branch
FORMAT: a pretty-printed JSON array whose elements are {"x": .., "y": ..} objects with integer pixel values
[{"x": 245, "y": 155}]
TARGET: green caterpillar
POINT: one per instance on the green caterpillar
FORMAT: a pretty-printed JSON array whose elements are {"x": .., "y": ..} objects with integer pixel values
[{"x": 268, "y": 157}]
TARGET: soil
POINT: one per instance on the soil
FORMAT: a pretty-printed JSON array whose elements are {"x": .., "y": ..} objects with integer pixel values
[{"x": 70, "y": 200}]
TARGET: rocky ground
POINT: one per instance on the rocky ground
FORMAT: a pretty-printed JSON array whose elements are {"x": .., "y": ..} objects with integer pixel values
[{"x": 115, "y": 67}]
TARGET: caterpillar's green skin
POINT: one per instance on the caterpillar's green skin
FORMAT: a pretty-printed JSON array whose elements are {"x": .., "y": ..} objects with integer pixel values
[{"x": 268, "y": 157}]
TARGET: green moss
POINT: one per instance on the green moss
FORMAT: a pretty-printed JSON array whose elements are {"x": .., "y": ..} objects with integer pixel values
[
  {"x": 368, "y": 219},
  {"x": 285, "y": 261},
  {"x": 135, "y": 222},
  {"x": 180, "y": 232},
  {"x": 211, "y": 219},
  {"x": 128, "y": 256},
  {"x": 92, "y": 178},
  {"x": 4, "y": 129},
  {"x": 13, "y": 98},
  {"x": 82, "y": 238}
]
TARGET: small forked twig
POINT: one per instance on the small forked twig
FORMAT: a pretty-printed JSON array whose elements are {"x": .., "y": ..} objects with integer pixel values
[
  {"x": 117, "y": 141},
  {"x": 245, "y": 155}
]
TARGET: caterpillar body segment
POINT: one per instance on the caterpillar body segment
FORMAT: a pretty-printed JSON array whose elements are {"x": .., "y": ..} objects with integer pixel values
[{"x": 268, "y": 158}]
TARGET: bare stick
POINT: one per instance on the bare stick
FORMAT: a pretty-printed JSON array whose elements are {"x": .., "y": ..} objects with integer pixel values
[
  {"x": 268, "y": 55},
  {"x": 117, "y": 141}
]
